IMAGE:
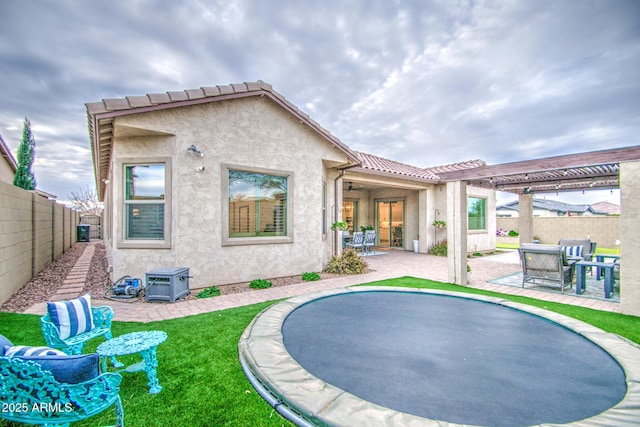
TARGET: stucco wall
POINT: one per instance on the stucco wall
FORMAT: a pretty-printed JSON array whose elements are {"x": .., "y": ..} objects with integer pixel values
[
  {"x": 251, "y": 132},
  {"x": 483, "y": 240},
  {"x": 630, "y": 230}
]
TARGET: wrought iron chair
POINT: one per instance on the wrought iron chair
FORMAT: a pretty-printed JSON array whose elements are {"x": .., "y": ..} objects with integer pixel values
[
  {"x": 55, "y": 390},
  {"x": 102, "y": 318}
]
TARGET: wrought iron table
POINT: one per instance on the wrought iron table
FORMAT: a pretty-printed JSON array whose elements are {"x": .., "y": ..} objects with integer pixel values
[{"x": 145, "y": 343}]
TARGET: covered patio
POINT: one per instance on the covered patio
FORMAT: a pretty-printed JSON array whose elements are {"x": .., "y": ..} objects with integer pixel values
[{"x": 605, "y": 169}]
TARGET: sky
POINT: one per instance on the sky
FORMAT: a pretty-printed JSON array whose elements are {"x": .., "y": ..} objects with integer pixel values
[{"x": 421, "y": 82}]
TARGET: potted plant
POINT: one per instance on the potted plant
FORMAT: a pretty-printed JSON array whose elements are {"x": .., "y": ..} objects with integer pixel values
[
  {"x": 439, "y": 223},
  {"x": 468, "y": 273},
  {"x": 364, "y": 228}
]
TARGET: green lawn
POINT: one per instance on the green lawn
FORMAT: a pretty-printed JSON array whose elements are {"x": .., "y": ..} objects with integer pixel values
[{"x": 203, "y": 383}]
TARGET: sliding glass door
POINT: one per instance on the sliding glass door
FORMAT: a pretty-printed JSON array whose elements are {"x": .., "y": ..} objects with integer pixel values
[{"x": 390, "y": 223}]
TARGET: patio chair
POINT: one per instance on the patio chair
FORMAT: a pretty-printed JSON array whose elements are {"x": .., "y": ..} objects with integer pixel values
[
  {"x": 357, "y": 242},
  {"x": 546, "y": 265},
  {"x": 40, "y": 386},
  {"x": 370, "y": 241},
  {"x": 578, "y": 248},
  {"x": 68, "y": 325}
]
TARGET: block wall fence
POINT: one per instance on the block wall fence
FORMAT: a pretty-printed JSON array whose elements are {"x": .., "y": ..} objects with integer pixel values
[
  {"x": 34, "y": 231},
  {"x": 604, "y": 230}
]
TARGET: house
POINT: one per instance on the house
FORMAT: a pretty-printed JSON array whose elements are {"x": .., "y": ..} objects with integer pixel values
[
  {"x": 236, "y": 183},
  {"x": 607, "y": 207},
  {"x": 8, "y": 165},
  {"x": 548, "y": 208}
]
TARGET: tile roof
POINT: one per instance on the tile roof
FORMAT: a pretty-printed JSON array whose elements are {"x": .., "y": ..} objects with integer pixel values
[
  {"x": 374, "y": 163},
  {"x": 100, "y": 116}
]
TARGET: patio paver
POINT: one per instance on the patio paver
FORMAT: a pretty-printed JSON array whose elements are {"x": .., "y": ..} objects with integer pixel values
[{"x": 390, "y": 264}]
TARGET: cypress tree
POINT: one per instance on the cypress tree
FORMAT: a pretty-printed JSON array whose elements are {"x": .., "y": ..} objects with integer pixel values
[{"x": 24, "y": 175}]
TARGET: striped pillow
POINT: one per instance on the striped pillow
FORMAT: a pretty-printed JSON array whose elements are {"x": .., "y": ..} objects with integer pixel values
[
  {"x": 575, "y": 251},
  {"x": 71, "y": 317},
  {"x": 25, "y": 350}
]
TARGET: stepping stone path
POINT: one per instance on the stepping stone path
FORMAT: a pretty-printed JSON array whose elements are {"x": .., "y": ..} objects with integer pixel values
[{"x": 73, "y": 285}]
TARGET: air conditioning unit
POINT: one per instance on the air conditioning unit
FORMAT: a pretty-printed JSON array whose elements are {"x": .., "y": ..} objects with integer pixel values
[{"x": 167, "y": 284}]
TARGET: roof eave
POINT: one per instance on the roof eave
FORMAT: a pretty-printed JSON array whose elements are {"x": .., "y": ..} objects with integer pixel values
[{"x": 98, "y": 111}]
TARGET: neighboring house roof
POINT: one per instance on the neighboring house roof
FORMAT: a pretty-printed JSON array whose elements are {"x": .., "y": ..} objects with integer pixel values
[
  {"x": 6, "y": 153},
  {"x": 609, "y": 208},
  {"x": 552, "y": 205}
]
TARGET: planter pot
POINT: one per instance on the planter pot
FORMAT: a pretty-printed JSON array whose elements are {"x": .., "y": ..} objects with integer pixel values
[
  {"x": 468, "y": 277},
  {"x": 416, "y": 246}
]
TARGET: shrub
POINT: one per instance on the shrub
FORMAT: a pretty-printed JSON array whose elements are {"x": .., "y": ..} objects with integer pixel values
[
  {"x": 310, "y": 277},
  {"x": 513, "y": 233},
  {"x": 347, "y": 263},
  {"x": 260, "y": 284},
  {"x": 212, "y": 291},
  {"x": 439, "y": 248}
]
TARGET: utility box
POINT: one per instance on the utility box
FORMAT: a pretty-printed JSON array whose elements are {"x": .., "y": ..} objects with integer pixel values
[
  {"x": 167, "y": 284},
  {"x": 82, "y": 232}
]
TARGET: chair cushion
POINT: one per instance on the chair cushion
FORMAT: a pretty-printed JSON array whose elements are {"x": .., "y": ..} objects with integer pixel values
[
  {"x": 69, "y": 369},
  {"x": 71, "y": 317},
  {"x": 572, "y": 250},
  {"x": 25, "y": 350},
  {"x": 4, "y": 343}
]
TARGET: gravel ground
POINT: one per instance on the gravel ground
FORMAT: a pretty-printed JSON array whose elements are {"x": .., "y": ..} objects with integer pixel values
[{"x": 45, "y": 284}]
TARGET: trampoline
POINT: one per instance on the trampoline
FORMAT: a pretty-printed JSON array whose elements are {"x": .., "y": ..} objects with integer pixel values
[{"x": 395, "y": 356}]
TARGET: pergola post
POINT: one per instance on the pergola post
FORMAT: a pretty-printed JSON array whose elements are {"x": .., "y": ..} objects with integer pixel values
[
  {"x": 457, "y": 219},
  {"x": 630, "y": 237},
  {"x": 525, "y": 218}
]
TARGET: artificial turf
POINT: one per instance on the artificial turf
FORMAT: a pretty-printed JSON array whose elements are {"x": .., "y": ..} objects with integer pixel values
[{"x": 203, "y": 383}]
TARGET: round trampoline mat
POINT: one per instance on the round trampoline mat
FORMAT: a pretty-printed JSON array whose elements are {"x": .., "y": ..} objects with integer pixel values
[{"x": 390, "y": 354}]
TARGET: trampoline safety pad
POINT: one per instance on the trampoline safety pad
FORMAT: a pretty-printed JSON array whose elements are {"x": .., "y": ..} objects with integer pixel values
[{"x": 387, "y": 356}]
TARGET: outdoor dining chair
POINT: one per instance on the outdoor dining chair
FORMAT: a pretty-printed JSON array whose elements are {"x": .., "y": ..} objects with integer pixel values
[
  {"x": 370, "y": 241},
  {"x": 357, "y": 242}
]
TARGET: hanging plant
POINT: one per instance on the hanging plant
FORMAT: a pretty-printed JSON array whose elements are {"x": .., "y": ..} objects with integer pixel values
[
  {"x": 439, "y": 223},
  {"x": 339, "y": 225}
]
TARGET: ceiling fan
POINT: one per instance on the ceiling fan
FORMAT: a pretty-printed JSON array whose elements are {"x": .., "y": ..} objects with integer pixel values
[{"x": 351, "y": 187}]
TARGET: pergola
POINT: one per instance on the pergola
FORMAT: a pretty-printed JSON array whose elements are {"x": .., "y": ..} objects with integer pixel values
[{"x": 596, "y": 170}]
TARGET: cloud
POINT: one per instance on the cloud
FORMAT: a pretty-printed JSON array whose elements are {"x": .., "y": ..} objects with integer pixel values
[{"x": 420, "y": 82}]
